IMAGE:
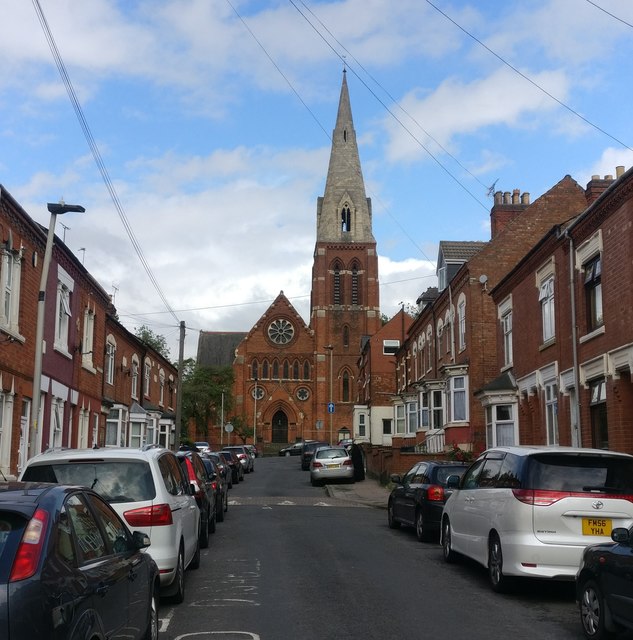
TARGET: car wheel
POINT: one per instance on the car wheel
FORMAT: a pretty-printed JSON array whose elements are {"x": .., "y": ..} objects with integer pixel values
[
  {"x": 179, "y": 580},
  {"x": 287, "y": 454},
  {"x": 447, "y": 545},
  {"x": 391, "y": 519},
  {"x": 498, "y": 581},
  {"x": 195, "y": 561},
  {"x": 226, "y": 502},
  {"x": 211, "y": 526},
  {"x": 420, "y": 530},
  {"x": 219, "y": 513},
  {"x": 203, "y": 538},
  {"x": 152, "y": 626},
  {"x": 314, "y": 483},
  {"x": 592, "y": 612}
]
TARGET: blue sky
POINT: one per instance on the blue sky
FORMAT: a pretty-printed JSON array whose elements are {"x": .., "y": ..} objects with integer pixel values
[{"x": 213, "y": 122}]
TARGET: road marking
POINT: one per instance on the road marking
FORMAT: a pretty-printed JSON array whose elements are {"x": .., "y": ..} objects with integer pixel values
[{"x": 228, "y": 635}]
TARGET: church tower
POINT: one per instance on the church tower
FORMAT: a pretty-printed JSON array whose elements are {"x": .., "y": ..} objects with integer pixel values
[{"x": 345, "y": 305}]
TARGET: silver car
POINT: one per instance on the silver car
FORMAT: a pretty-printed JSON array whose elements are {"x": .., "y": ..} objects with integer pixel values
[{"x": 331, "y": 463}]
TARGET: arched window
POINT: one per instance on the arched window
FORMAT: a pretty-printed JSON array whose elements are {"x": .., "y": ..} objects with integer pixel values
[
  {"x": 346, "y": 336},
  {"x": 336, "y": 284},
  {"x": 265, "y": 373},
  {"x": 346, "y": 218},
  {"x": 254, "y": 370},
  {"x": 275, "y": 375},
  {"x": 306, "y": 370},
  {"x": 345, "y": 387},
  {"x": 295, "y": 370},
  {"x": 355, "y": 285},
  {"x": 286, "y": 370}
]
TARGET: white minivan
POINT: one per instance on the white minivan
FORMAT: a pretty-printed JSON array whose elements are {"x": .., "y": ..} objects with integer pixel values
[
  {"x": 150, "y": 492},
  {"x": 530, "y": 511}
]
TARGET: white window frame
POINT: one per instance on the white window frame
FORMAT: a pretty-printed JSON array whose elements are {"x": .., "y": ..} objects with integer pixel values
[
  {"x": 461, "y": 321},
  {"x": 390, "y": 347},
  {"x": 6, "y": 420},
  {"x": 437, "y": 408},
  {"x": 412, "y": 416},
  {"x": 63, "y": 307},
  {"x": 400, "y": 420},
  {"x": 458, "y": 396},
  {"x": 551, "y": 412},
  {"x": 110, "y": 356},
  {"x": 504, "y": 313},
  {"x": 87, "y": 343},
  {"x": 147, "y": 372},
  {"x": 161, "y": 381},
  {"x": 57, "y": 423},
  {"x": 361, "y": 425},
  {"x": 10, "y": 280},
  {"x": 495, "y": 437},
  {"x": 134, "y": 366},
  {"x": 83, "y": 428},
  {"x": 116, "y": 427},
  {"x": 546, "y": 300},
  {"x": 424, "y": 410}
]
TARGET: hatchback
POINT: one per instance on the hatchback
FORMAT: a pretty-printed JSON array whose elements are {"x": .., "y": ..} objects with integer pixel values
[
  {"x": 307, "y": 451},
  {"x": 66, "y": 561},
  {"x": 147, "y": 488},
  {"x": 218, "y": 484},
  {"x": 331, "y": 463},
  {"x": 418, "y": 497},
  {"x": 244, "y": 455},
  {"x": 530, "y": 511},
  {"x": 604, "y": 586},
  {"x": 235, "y": 466}
]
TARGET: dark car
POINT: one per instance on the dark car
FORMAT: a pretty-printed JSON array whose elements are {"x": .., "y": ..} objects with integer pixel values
[
  {"x": 418, "y": 498},
  {"x": 223, "y": 465},
  {"x": 307, "y": 451},
  {"x": 604, "y": 586},
  {"x": 204, "y": 492},
  {"x": 65, "y": 564},
  {"x": 237, "y": 470},
  {"x": 244, "y": 455},
  {"x": 292, "y": 449},
  {"x": 219, "y": 484}
]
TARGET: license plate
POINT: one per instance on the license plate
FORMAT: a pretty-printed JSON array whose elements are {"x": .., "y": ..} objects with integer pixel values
[
  {"x": 332, "y": 466},
  {"x": 596, "y": 527}
]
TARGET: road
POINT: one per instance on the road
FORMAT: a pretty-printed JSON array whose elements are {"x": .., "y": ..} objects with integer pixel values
[{"x": 290, "y": 562}]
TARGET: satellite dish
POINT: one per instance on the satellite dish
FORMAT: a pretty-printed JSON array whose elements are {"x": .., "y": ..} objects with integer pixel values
[{"x": 483, "y": 278}]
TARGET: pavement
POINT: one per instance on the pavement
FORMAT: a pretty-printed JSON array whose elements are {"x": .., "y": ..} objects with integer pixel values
[{"x": 368, "y": 492}]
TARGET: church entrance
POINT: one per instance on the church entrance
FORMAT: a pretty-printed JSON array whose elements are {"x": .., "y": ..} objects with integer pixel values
[{"x": 280, "y": 427}]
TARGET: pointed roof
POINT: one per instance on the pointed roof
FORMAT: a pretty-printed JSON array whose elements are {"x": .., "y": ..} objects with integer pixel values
[{"x": 344, "y": 182}]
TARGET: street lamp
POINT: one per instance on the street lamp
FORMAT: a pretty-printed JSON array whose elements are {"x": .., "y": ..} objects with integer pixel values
[
  {"x": 330, "y": 348},
  {"x": 255, "y": 416},
  {"x": 55, "y": 209}
]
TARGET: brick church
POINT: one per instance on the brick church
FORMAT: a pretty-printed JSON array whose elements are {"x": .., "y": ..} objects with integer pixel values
[{"x": 295, "y": 380}]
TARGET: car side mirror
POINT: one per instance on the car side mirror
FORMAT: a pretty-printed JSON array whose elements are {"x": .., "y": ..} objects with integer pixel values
[
  {"x": 395, "y": 478},
  {"x": 141, "y": 540},
  {"x": 452, "y": 482},
  {"x": 192, "y": 489},
  {"x": 621, "y": 535}
]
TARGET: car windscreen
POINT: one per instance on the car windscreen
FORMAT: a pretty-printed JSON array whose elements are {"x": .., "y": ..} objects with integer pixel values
[
  {"x": 581, "y": 473},
  {"x": 116, "y": 481},
  {"x": 442, "y": 473},
  {"x": 12, "y": 527},
  {"x": 331, "y": 453}
]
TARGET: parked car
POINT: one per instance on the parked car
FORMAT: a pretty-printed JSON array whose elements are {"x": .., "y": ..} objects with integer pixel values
[
  {"x": 418, "y": 497},
  {"x": 236, "y": 467},
  {"x": 253, "y": 449},
  {"x": 202, "y": 447},
  {"x": 204, "y": 492},
  {"x": 292, "y": 449},
  {"x": 147, "y": 488},
  {"x": 59, "y": 546},
  {"x": 244, "y": 455},
  {"x": 219, "y": 485},
  {"x": 604, "y": 586},
  {"x": 307, "y": 451},
  {"x": 331, "y": 463},
  {"x": 223, "y": 466},
  {"x": 530, "y": 511}
]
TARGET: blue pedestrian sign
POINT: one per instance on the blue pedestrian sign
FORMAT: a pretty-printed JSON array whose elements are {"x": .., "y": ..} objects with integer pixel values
[{"x": 330, "y": 407}]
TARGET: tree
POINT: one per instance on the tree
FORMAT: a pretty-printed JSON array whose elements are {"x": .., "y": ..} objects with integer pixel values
[
  {"x": 153, "y": 340},
  {"x": 202, "y": 391},
  {"x": 241, "y": 429}
]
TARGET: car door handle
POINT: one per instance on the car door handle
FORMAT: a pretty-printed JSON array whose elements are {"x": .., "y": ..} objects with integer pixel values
[{"x": 102, "y": 589}]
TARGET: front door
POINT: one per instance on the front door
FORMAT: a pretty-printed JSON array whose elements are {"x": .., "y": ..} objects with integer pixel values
[{"x": 280, "y": 427}]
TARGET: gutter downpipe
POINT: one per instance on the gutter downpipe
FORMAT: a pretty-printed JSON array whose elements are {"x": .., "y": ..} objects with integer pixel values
[{"x": 574, "y": 339}]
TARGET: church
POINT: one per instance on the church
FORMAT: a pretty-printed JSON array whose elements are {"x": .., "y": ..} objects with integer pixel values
[{"x": 295, "y": 380}]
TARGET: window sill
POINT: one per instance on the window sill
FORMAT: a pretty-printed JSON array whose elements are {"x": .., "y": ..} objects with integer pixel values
[
  {"x": 594, "y": 334},
  {"x": 547, "y": 344},
  {"x": 13, "y": 333},
  {"x": 88, "y": 367},
  {"x": 62, "y": 350}
]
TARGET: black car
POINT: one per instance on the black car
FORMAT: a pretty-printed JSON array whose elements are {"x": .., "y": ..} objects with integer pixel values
[
  {"x": 604, "y": 586},
  {"x": 292, "y": 449},
  {"x": 66, "y": 561},
  {"x": 219, "y": 484},
  {"x": 418, "y": 498},
  {"x": 223, "y": 465},
  {"x": 194, "y": 469},
  {"x": 237, "y": 470},
  {"x": 307, "y": 452}
]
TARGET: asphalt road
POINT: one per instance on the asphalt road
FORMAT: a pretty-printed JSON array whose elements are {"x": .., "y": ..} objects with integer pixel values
[{"x": 290, "y": 562}]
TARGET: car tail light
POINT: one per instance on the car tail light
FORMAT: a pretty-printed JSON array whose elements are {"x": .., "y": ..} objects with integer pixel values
[
  {"x": 545, "y": 498},
  {"x": 30, "y": 550},
  {"x": 435, "y": 493},
  {"x": 347, "y": 463},
  {"x": 158, "y": 515},
  {"x": 214, "y": 485},
  {"x": 241, "y": 456},
  {"x": 316, "y": 465}
]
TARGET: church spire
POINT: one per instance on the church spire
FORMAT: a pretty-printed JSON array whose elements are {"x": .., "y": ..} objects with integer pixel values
[{"x": 344, "y": 211}]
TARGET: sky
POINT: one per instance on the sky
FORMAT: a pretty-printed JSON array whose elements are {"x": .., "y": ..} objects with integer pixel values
[{"x": 198, "y": 133}]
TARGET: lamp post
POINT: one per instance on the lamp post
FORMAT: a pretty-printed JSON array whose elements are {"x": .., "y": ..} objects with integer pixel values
[
  {"x": 55, "y": 209},
  {"x": 255, "y": 415},
  {"x": 330, "y": 348},
  {"x": 222, "y": 422}
]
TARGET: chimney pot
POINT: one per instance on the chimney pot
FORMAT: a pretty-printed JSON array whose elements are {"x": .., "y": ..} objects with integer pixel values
[
  {"x": 619, "y": 171},
  {"x": 525, "y": 198},
  {"x": 515, "y": 196},
  {"x": 506, "y": 197}
]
